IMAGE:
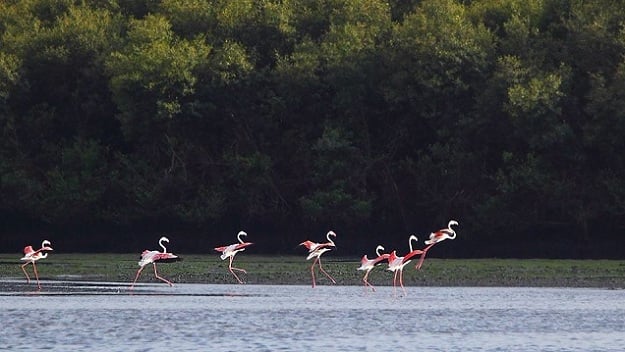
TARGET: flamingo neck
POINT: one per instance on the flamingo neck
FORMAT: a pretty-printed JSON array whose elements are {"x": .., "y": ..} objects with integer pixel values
[
  {"x": 162, "y": 246},
  {"x": 328, "y": 238},
  {"x": 451, "y": 230},
  {"x": 239, "y": 236},
  {"x": 413, "y": 237},
  {"x": 378, "y": 249}
]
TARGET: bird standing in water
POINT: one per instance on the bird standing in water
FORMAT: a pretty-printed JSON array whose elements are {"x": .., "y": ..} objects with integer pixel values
[
  {"x": 396, "y": 264},
  {"x": 367, "y": 265},
  {"x": 315, "y": 250}
]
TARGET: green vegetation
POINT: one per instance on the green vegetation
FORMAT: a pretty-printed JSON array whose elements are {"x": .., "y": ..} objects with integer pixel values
[
  {"x": 375, "y": 118},
  {"x": 294, "y": 270}
]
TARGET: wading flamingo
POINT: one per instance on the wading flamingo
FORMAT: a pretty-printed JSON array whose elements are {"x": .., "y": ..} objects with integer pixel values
[
  {"x": 396, "y": 264},
  {"x": 153, "y": 257},
  {"x": 315, "y": 250},
  {"x": 367, "y": 265},
  {"x": 231, "y": 250},
  {"x": 436, "y": 237},
  {"x": 31, "y": 256}
]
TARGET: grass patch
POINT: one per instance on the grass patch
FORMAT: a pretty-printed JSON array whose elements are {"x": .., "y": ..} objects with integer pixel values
[{"x": 295, "y": 270}]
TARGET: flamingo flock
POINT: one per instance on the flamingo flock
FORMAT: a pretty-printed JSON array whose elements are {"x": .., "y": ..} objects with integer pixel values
[{"x": 396, "y": 263}]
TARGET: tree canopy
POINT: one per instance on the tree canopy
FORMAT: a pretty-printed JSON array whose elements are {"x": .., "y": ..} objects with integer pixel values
[{"x": 287, "y": 118}]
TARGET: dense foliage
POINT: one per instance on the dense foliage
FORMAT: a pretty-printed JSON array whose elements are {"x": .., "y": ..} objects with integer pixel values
[{"x": 290, "y": 117}]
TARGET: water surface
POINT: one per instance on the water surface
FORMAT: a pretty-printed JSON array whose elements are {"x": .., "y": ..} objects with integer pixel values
[{"x": 67, "y": 316}]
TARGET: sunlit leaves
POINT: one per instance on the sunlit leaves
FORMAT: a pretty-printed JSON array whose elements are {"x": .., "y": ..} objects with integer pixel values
[
  {"x": 155, "y": 63},
  {"x": 231, "y": 62},
  {"x": 9, "y": 75}
]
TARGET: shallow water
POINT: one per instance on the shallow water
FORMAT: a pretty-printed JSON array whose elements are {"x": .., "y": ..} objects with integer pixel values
[{"x": 67, "y": 316}]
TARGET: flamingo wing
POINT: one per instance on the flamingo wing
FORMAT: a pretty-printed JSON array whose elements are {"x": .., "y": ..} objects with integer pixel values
[
  {"x": 437, "y": 236},
  {"x": 42, "y": 250},
  {"x": 310, "y": 245},
  {"x": 221, "y": 249},
  {"x": 412, "y": 254},
  {"x": 365, "y": 263},
  {"x": 147, "y": 257},
  {"x": 28, "y": 250},
  {"x": 241, "y": 246},
  {"x": 364, "y": 260},
  {"x": 317, "y": 252},
  {"x": 380, "y": 258},
  {"x": 394, "y": 262},
  {"x": 165, "y": 257}
]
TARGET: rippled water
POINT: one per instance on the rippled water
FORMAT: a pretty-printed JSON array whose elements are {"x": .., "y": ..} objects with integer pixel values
[{"x": 191, "y": 317}]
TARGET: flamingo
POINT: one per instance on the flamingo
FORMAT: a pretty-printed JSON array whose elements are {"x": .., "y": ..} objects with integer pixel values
[
  {"x": 153, "y": 257},
  {"x": 315, "y": 250},
  {"x": 436, "y": 237},
  {"x": 396, "y": 263},
  {"x": 231, "y": 250},
  {"x": 367, "y": 264},
  {"x": 31, "y": 256}
]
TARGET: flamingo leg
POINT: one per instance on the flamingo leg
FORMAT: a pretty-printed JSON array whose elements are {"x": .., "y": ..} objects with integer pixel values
[
  {"x": 401, "y": 281},
  {"x": 25, "y": 273},
  {"x": 137, "y": 276},
  {"x": 312, "y": 271},
  {"x": 328, "y": 275},
  {"x": 161, "y": 278},
  {"x": 395, "y": 284},
  {"x": 425, "y": 251},
  {"x": 232, "y": 270},
  {"x": 364, "y": 279},
  {"x": 36, "y": 275}
]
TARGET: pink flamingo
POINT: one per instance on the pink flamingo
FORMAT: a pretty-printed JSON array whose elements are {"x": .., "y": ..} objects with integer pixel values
[
  {"x": 397, "y": 264},
  {"x": 367, "y": 265},
  {"x": 231, "y": 250},
  {"x": 315, "y": 250},
  {"x": 31, "y": 256},
  {"x": 436, "y": 237},
  {"x": 153, "y": 257}
]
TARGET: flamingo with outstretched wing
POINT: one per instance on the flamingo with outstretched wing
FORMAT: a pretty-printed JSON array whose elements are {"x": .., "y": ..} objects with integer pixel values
[
  {"x": 153, "y": 257},
  {"x": 396, "y": 264},
  {"x": 367, "y": 265},
  {"x": 31, "y": 256},
  {"x": 231, "y": 250},
  {"x": 315, "y": 250},
  {"x": 437, "y": 237}
]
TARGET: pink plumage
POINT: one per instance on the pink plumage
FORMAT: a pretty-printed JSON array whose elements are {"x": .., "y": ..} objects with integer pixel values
[
  {"x": 396, "y": 263},
  {"x": 230, "y": 251},
  {"x": 153, "y": 257},
  {"x": 31, "y": 256},
  {"x": 315, "y": 250},
  {"x": 443, "y": 234},
  {"x": 437, "y": 237},
  {"x": 367, "y": 265}
]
